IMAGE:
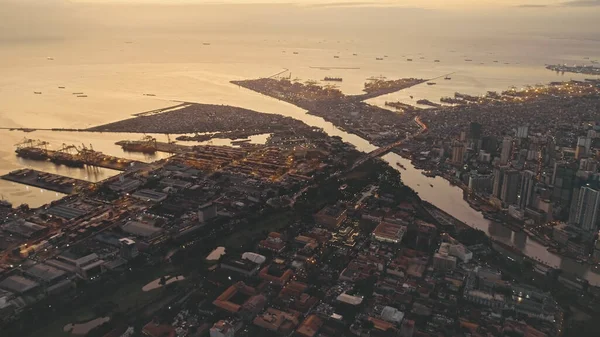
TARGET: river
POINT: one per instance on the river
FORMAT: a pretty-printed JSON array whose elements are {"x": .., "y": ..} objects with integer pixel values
[{"x": 449, "y": 198}]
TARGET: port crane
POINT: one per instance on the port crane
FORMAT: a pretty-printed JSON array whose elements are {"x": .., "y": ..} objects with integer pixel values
[
  {"x": 86, "y": 154},
  {"x": 65, "y": 148},
  {"x": 32, "y": 143}
]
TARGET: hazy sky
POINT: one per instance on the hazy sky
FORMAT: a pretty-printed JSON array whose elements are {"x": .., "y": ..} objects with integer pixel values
[
  {"x": 440, "y": 4},
  {"x": 34, "y": 19},
  {"x": 406, "y": 3},
  {"x": 410, "y": 3}
]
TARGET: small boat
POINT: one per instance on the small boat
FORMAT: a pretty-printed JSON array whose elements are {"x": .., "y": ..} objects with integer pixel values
[
  {"x": 431, "y": 83},
  {"x": 385, "y": 56},
  {"x": 149, "y": 95},
  {"x": 50, "y": 58},
  {"x": 77, "y": 93},
  {"x": 447, "y": 78},
  {"x": 411, "y": 96},
  {"x": 81, "y": 95},
  {"x": 354, "y": 54},
  {"x": 422, "y": 58},
  {"x": 409, "y": 60},
  {"x": 436, "y": 61},
  {"x": 37, "y": 92},
  {"x": 468, "y": 60},
  {"x": 61, "y": 87},
  {"x": 400, "y": 165},
  {"x": 206, "y": 43},
  {"x": 379, "y": 58},
  {"x": 336, "y": 57},
  {"x": 431, "y": 185},
  {"x": 295, "y": 53}
]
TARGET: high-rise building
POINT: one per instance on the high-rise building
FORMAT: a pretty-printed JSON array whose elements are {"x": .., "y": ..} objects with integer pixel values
[
  {"x": 584, "y": 145},
  {"x": 586, "y": 209},
  {"x": 563, "y": 180},
  {"x": 498, "y": 180},
  {"x": 474, "y": 130},
  {"x": 505, "y": 155},
  {"x": 480, "y": 182},
  {"x": 549, "y": 151},
  {"x": 489, "y": 144},
  {"x": 522, "y": 131},
  {"x": 526, "y": 188},
  {"x": 510, "y": 187},
  {"x": 588, "y": 164},
  {"x": 458, "y": 153},
  {"x": 443, "y": 262}
]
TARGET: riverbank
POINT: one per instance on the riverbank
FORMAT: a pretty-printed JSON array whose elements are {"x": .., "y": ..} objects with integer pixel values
[{"x": 347, "y": 112}]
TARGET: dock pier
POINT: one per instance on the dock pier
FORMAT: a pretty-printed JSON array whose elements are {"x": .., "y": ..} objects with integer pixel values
[{"x": 48, "y": 181}]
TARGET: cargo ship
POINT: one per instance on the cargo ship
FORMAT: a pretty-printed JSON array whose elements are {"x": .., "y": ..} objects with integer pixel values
[
  {"x": 32, "y": 153},
  {"x": 138, "y": 146},
  {"x": 333, "y": 79},
  {"x": 66, "y": 159}
]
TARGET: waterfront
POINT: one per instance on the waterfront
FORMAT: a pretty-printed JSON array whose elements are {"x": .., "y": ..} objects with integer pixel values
[
  {"x": 117, "y": 77},
  {"x": 442, "y": 194}
]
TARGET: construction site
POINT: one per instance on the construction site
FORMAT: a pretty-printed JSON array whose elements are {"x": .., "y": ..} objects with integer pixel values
[{"x": 72, "y": 155}]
